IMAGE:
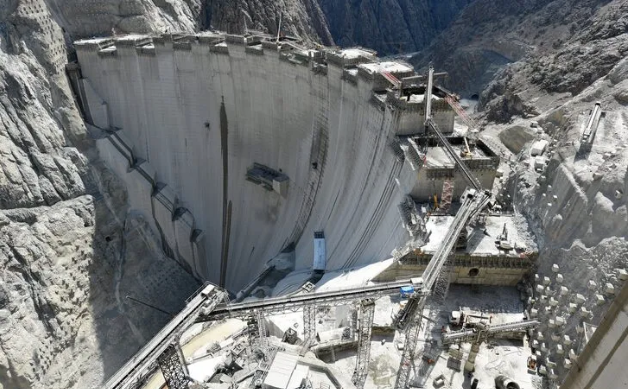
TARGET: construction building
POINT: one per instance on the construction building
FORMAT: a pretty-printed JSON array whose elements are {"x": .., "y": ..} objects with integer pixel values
[{"x": 330, "y": 183}]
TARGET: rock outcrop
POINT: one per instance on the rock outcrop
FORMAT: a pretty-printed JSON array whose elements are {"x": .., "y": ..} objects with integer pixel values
[
  {"x": 70, "y": 251},
  {"x": 490, "y": 34},
  {"x": 302, "y": 18}
]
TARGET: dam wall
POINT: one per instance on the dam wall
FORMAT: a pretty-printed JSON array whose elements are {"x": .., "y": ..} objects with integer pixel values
[{"x": 190, "y": 116}]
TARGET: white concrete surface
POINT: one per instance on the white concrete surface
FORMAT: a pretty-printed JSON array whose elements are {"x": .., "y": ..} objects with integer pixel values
[{"x": 171, "y": 106}]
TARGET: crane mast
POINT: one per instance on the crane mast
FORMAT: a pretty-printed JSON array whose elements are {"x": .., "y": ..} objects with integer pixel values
[{"x": 409, "y": 319}]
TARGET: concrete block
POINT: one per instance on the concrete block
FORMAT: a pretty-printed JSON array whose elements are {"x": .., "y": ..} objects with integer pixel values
[
  {"x": 580, "y": 298},
  {"x": 552, "y": 374},
  {"x": 544, "y": 347},
  {"x": 546, "y": 281},
  {"x": 537, "y": 278},
  {"x": 567, "y": 363},
  {"x": 584, "y": 312},
  {"x": 539, "y": 335},
  {"x": 534, "y": 312},
  {"x": 535, "y": 344},
  {"x": 560, "y": 321},
  {"x": 599, "y": 299},
  {"x": 551, "y": 323},
  {"x": 559, "y": 278},
  {"x": 540, "y": 288},
  {"x": 559, "y": 350},
  {"x": 563, "y": 291},
  {"x": 610, "y": 289},
  {"x": 183, "y": 226},
  {"x": 166, "y": 196},
  {"x": 572, "y": 355},
  {"x": 542, "y": 370},
  {"x": 553, "y": 302},
  {"x": 147, "y": 169},
  {"x": 579, "y": 329},
  {"x": 567, "y": 340},
  {"x": 555, "y": 337},
  {"x": 622, "y": 274},
  {"x": 555, "y": 268},
  {"x": 592, "y": 285}
]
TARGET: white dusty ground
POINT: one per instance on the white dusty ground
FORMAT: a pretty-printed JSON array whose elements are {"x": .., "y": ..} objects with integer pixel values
[{"x": 502, "y": 357}]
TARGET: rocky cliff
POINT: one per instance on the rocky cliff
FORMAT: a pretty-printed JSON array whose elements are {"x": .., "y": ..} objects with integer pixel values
[
  {"x": 391, "y": 26},
  {"x": 70, "y": 251},
  {"x": 573, "y": 195},
  {"x": 490, "y": 34}
]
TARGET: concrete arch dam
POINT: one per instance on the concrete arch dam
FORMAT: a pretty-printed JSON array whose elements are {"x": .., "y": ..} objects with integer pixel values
[{"x": 235, "y": 147}]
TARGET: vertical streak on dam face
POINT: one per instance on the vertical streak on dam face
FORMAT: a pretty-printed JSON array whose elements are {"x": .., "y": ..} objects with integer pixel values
[
  {"x": 226, "y": 209},
  {"x": 327, "y": 133}
]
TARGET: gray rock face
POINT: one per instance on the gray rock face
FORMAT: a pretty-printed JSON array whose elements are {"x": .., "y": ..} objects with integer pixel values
[
  {"x": 391, "y": 26},
  {"x": 82, "y": 18},
  {"x": 575, "y": 63},
  {"x": 69, "y": 252},
  {"x": 303, "y": 18},
  {"x": 489, "y": 34}
]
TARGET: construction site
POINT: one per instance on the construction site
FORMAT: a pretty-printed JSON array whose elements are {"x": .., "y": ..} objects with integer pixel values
[{"x": 358, "y": 229}]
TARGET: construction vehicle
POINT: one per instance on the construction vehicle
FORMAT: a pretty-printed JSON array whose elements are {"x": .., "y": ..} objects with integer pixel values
[
  {"x": 466, "y": 152},
  {"x": 468, "y": 318}
]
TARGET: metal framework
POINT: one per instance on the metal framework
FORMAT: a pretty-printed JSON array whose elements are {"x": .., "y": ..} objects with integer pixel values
[
  {"x": 296, "y": 302},
  {"x": 261, "y": 327},
  {"x": 436, "y": 274},
  {"x": 407, "y": 357},
  {"x": 309, "y": 324},
  {"x": 367, "y": 311},
  {"x": 174, "y": 371}
]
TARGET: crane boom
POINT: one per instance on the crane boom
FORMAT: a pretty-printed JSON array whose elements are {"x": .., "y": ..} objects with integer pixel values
[{"x": 410, "y": 317}]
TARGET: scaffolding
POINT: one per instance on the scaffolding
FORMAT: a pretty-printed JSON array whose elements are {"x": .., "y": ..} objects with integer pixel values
[
  {"x": 261, "y": 327},
  {"x": 309, "y": 327},
  {"x": 367, "y": 311},
  {"x": 407, "y": 357},
  {"x": 174, "y": 372}
]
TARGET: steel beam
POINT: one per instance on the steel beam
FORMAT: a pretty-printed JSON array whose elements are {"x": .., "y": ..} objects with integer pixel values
[
  {"x": 173, "y": 369},
  {"x": 367, "y": 311}
]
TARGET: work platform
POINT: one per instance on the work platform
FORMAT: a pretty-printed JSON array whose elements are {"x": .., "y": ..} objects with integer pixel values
[{"x": 482, "y": 261}]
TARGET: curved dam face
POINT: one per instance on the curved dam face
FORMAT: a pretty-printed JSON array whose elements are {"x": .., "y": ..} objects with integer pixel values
[{"x": 234, "y": 148}]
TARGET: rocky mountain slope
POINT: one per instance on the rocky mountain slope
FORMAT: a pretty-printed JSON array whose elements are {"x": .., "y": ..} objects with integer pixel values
[
  {"x": 490, "y": 34},
  {"x": 390, "y": 27},
  {"x": 575, "y": 197},
  {"x": 70, "y": 252}
]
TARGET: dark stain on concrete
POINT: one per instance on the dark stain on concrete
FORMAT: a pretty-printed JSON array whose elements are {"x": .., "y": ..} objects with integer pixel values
[{"x": 226, "y": 205}]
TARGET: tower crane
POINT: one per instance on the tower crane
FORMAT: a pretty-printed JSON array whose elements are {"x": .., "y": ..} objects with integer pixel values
[{"x": 474, "y": 199}]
